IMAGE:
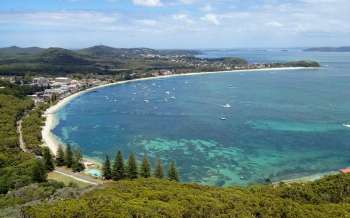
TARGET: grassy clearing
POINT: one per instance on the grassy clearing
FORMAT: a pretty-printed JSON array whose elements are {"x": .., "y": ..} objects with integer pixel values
[{"x": 66, "y": 180}]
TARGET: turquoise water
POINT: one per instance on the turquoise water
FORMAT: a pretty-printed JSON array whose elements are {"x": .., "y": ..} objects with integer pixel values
[
  {"x": 281, "y": 124},
  {"x": 94, "y": 172}
]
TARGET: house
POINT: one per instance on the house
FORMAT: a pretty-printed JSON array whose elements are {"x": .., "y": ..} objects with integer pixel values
[{"x": 345, "y": 171}]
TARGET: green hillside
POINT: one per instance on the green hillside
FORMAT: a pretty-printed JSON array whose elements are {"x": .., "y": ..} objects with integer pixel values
[{"x": 329, "y": 197}]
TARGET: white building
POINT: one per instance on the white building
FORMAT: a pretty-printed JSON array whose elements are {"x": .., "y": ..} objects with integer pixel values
[
  {"x": 41, "y": 81},
  {"x": 63, "y": 80}
]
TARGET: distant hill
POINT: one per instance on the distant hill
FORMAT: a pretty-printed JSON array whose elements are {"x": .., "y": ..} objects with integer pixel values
[
  {"x": 99, "y": 59},
  {"x": 329, "y": 49},
  {"x": 106, "y": 51},
  {"x": 60, "y": 56},
  {"x": 101, "y": 51},
  {"x": 14, "y": 50}
]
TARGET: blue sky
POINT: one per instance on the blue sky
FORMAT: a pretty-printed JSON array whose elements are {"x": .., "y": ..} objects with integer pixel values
[{"x": 175, "y": 23}]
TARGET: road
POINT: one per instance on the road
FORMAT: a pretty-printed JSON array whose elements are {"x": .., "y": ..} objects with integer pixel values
[{"x": 63, "y": 171}]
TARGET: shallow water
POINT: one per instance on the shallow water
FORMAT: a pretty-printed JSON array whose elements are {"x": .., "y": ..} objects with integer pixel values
[{"x": 281, "y": 124}]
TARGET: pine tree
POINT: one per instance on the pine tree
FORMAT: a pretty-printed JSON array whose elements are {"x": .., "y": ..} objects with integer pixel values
[
  {"x": 60, "y": 157},
  {"x": 132, "y": 167},
  {"x": 118, "y": 171},
  {"x": 145, "y": 167},
  {"x": 39, "y": 174},
  {"x": 173, "y": 173},
  {"x": 68, "y": 159},
  {"x": 48, "y": 160},
  {"x": 107, "y": 174},
  {"x": 159, "y": 171},
  {"x": 77, "y": 165}
]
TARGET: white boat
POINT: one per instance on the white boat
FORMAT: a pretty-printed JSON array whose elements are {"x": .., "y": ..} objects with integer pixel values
[
  {"x": 223, "y": 118},
  {"x": 167, "y": 92},
  {"x": 346, "y": 125},
  {"x": 146, "y": 101},
  {"x": 173, "y": 97},
  {"x": 226, "y": 106}
]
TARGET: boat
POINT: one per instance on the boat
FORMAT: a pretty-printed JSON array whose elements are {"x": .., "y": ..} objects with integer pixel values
[
  {"x": 173, "y": 97},
  {"x": 146, "y": 101},
  {"x": 227, "y": 106},
  {"x": 223, "y": 118},
  {"x": 167, "y": 92},
  {"x": 346, "y": 125}
]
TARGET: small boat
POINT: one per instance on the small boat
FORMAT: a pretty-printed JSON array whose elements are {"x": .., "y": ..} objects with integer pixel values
[
  {"x": 173, "y": 97},
  {"x": 227, "y": 106},
  {"x": 167, "y": 92},
  {"x": 146, "y": 101},
  {"x": 223, "y": 118},
  {"x": 346, "y": 125}
]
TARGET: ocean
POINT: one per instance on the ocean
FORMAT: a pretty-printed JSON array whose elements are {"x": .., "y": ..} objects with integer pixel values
[{"x": 228, "y": 128}]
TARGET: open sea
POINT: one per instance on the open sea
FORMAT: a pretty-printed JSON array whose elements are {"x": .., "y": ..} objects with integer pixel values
[{"x": 227, "y": 128}]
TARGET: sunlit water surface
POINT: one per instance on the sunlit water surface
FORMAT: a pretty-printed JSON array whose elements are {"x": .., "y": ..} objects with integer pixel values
[{"x": 227, "y": 128}]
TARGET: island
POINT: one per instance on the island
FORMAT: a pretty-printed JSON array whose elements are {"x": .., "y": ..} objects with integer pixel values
[{"x": 328, "y": 49}]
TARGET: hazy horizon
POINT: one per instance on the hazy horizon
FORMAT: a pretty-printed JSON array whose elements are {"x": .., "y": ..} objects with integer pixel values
[{"x": 170, "y": 24}]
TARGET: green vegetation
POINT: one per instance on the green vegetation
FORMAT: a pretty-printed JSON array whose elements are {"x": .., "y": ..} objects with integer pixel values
[
  {"x": 123, "y": 64},
  {"x": 39, "y": 173},
  {"x": 145, "y": 171},
  {"x": 77, "y": 165},
  {"x": 71, "y": 158},
  {"x": 66, "y": 180},
  {"x": 132, "y": 167},
  {"x": 60, "y": 161},
  {"x": 15, "y": 165},
  {"x": 159, "y": 171},
  {"x": 48, "y": 160},
  {"x": 118, "y": 170},
  {"x": 31, "y": 128},
  {"x": 68, "y": 156},
  {"x": 298, "y": 64},
  {"x": 329, "y": 197},
  {"x": 173, "y": 174},
  {"x": 106, "y": 169}
]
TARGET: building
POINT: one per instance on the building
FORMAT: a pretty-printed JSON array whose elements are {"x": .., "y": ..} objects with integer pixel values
[
  {"x": 41, "y": 81},
  {"x": 345, "y": 171},
  {"x": 63, "y": 80},
  {"x": 165, "y": 72}
]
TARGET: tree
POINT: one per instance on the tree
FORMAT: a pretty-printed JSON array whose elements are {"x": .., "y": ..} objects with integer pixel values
[
  {"x": 68, "y": 156},
  {"x": 118, "y": 171},
  {"x": 132, "y": 167},
  {"x": 60, "y": 157},
  {"x": 48, "y": 160},
  {"x": 107, "y": 174},
  {"x": 159, "y": 171},
  {"x": 145, "y": 167},
  {"x": 39, "y": 173},
  {"x": 173, "y": 173},
  {"x": 77, "y": 165}
]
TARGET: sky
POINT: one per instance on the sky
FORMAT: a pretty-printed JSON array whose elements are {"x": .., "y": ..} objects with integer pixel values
[{"x": 175, "y": 23}]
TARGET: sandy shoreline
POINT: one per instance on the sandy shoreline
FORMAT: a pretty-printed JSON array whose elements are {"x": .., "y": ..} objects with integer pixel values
[{"x": 53, "y": 142}]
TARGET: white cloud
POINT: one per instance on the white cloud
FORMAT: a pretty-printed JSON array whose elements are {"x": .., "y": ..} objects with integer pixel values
[
  {"x": 148, "y": 3},
  {"x": 211, "y": 19},
  {"x": 188, "y": 1}
]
